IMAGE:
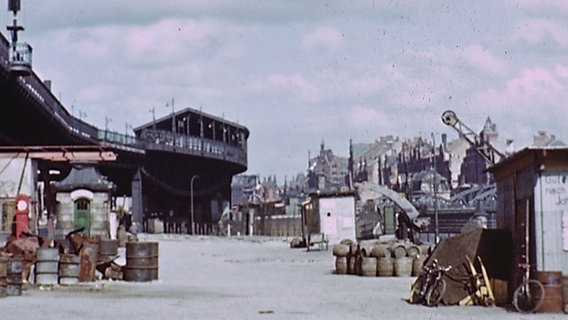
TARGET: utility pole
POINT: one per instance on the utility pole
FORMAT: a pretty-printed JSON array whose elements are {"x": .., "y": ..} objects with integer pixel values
[{"x": 435, "y": 186}]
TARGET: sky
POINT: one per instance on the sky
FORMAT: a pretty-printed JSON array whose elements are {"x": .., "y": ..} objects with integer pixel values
[{"x": 299, "y": 73}]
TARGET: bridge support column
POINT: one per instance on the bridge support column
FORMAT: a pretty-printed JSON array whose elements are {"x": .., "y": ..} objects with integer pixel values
[{"x": 137, "y": 205}]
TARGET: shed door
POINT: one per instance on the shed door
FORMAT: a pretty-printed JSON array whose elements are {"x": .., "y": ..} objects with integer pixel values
[
  {"x": 82, "y": 215},
  {"x": 330, "y": 224}
]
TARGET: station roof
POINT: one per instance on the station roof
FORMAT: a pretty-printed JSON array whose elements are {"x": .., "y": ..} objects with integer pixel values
[{"x": 167, "y": 120}]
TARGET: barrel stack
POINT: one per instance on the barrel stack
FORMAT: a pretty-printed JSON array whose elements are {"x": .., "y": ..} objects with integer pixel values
[{"x": 379, "y": 258}]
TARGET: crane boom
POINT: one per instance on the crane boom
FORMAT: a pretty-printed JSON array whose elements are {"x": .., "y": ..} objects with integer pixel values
[{"x": 483, "y": 148}]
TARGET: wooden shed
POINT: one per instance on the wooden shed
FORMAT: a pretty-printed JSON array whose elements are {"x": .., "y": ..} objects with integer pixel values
[{"x": 532, "y": 193}]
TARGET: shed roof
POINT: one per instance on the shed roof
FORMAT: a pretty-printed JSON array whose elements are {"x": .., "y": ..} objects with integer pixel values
[
  {"x": 549, "y": 159},
  {"x": 84, "y": 177}
]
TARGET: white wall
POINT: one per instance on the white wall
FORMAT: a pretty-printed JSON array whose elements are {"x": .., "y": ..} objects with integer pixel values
[
  {"x": 337, "y": 218},
  {"x": 11, "y": 173},
  {"x": 551, "y": 222}
]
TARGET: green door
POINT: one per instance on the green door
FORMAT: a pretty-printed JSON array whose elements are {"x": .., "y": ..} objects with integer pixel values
[{"x": 83, "y": 215}]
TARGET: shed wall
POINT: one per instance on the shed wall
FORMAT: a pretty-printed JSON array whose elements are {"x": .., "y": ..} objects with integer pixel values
[{"x": 551, "y": 222}]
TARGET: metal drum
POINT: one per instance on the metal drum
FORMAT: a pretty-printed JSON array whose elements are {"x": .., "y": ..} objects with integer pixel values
[
  {"x": 69, "y": 269},
  {"x": 47, "y": 266},
  {"x": 552, "y": 283},
  {"x": 141, "y": 261},
  {"x": 14, "y": 279},
  {"x": 108, "y": 249},
  {"x": 89, "y": 255},
  {"x": 3, "y": 276}
]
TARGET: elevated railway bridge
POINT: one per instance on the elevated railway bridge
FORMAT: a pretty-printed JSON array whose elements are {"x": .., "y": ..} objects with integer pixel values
[{"x": 177, "y": 168}]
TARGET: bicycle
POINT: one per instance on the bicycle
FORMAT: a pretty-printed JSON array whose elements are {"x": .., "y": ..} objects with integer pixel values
[
  {"x": 438, "y": 287},
  {"x": 430, "y": 286},
  {"x": 529, "y": 295}
]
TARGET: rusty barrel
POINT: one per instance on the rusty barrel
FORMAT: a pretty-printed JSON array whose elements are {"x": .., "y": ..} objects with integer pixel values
[
  {"x": 14, "y": 277},
  {"x": 403, "y": 267},
  {"x": 108, "y": 249},
  {"x": 340, "y": 265},
  {"x": 69, "y": 269},
  {"x": 141, "y": 261},
  {"x": 565, "y": 292},
  {"x": 47, "y": 266},
  {"x": 88, "y": 257},
  {"x": 3, "y": 276},
  {"x": 552, "y": 283}
]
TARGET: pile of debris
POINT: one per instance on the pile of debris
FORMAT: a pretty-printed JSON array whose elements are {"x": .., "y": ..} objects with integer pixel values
[
  {"x": 476, "y": 269},
  {"x": 77, "y": 258}
]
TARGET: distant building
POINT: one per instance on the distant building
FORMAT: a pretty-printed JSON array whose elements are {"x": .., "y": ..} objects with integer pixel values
[
  {"x": 542, "y": 139},
  {"x": 327, "y": 172},
  {"x": 245, "y": 189}
]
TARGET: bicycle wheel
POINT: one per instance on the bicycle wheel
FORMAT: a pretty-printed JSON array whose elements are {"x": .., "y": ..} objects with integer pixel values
[
  {"x": 416, "y": 290},
  {"x": 528, "y": 300},
  {"x": 435, "y": 293}
]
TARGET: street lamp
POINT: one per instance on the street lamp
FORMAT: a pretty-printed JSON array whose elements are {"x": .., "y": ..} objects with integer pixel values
[{"x": 195, "y": 176}]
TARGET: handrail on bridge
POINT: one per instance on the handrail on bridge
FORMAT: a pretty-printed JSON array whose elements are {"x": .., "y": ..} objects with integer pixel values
[{"x": 190, "y": 144}]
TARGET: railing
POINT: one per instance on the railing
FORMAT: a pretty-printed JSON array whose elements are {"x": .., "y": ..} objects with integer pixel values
[
  {"x": 153, "y": 139},
  {"x": 165, "y": 140},
  {"x": 21, "y": 57}
]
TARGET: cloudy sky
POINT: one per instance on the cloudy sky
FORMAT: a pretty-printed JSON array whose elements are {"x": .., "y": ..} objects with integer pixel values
[{"x": 299, "y": 72}]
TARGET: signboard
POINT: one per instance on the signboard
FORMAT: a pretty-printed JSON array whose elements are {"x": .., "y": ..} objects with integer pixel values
[{"x": 551, "y": 220}]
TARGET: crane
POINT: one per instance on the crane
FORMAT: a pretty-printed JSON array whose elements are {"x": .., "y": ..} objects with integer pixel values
[{"x": 482, "y": 147}]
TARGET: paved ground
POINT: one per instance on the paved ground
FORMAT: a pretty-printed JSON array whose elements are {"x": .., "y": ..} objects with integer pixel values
[{"x": 239, "y": 278}]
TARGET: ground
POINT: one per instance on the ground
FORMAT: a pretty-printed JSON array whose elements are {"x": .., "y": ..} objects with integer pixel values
[{"x": 239, "y": 278}]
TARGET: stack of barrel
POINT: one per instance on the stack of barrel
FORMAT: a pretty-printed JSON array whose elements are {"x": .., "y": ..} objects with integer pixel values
[
  {"x": 379, "y": 258},
  {"x": 3, "y": 276}
]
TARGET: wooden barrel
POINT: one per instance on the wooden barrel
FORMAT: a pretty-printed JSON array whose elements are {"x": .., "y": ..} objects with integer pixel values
[
  {"x": 369, "y": 266},
  {"x": 424, "y": 249},
  {"x": 340, "y": 250},
  {"x": 552, "y": 283},
  {"x": 380, "y": 250},
  {"x": 3, "y": 276},
  {"x": 412, "y": 250},
  {"x": 398, "y": 250},
  {"x": 403, "y": 267},
  {"x": 47, "y": 266},
  {"x": 351, "y": 265},
  {"x": 141, "y": 261},
  {"x": 108, "y": 249},
  {"x": 69, "y": 269},
  {"x": 14, "y": 278},
  {"x": 417, "y": 264},
  {"x": 341, "y": 265},
  {"x": 385, "y": 267}
]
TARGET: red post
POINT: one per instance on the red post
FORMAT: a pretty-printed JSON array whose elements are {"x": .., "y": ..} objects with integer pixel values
[{"x": 22, "y": 203}]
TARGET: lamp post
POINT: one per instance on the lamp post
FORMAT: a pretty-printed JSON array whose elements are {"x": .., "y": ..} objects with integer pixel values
[
  {"x": 435, "y": 187},
  {"x": 195, "y": 176}
]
